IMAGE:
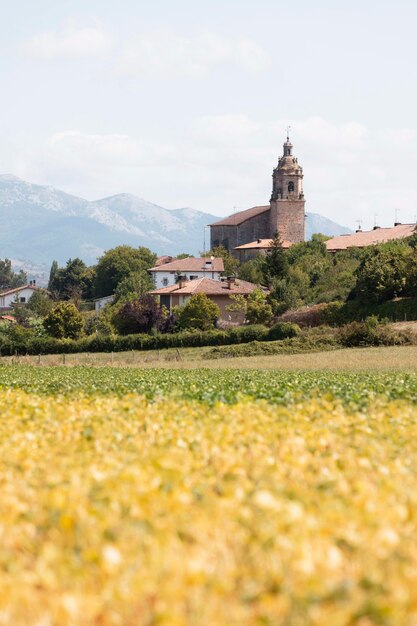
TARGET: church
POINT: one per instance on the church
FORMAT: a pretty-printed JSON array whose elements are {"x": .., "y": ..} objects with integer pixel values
[{"x": 284, "y": 214}]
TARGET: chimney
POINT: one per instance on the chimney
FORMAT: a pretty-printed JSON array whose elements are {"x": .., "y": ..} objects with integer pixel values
[
  {"x": 258, "y": 240},
  {"x": 34, "y": 283},
  {"x": 181, "y": 281},
  {"x": 30, "y": 283},
  {"x": 231, "y": 280}
]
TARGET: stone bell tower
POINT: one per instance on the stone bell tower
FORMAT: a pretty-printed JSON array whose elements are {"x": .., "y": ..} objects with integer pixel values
[{"x": 287, "y": 214}]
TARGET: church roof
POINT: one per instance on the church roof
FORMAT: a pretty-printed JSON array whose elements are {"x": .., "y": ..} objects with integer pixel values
[
  {"x": 371, "y": 237},
  {"x": 241, "y": 216}
]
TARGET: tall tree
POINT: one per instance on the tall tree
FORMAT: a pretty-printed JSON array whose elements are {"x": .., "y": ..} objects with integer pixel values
[
  {"x": 10, "y": 279},
  {"x": 117, "y": 264},
  {"x": 275, "y": 264},
  {"x": 52, "y": 274},
  {"x": 72, "y": 281}
]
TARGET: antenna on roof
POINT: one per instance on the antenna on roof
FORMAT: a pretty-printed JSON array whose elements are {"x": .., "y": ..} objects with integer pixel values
[
  {"x": 359, "y": 223},
  {"x": 375, "y": 216},
  {"x": 396, "y": 222}
]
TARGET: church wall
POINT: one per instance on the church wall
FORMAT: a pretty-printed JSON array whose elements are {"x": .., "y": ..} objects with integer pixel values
[
  {"x": 232, "y": 236},
  {"x": 288, "y": 218}
]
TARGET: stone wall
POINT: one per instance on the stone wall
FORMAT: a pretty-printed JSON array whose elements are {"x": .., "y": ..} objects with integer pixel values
[
  {"x": 288, "y": 218},
  {"x": 231, "y": 236}
]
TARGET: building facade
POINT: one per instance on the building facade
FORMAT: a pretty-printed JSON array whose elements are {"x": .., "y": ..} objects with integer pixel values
[
  {"x": 284, "y": 214},
  {"x": 191, "y": 268}
]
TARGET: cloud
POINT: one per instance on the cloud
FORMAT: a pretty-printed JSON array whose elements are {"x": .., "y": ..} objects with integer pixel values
[
  {"x": 73, "y": 42},
  {"x": 157, "y": 53},
  {"x": 351, "y": 171},
  {"x": 164, "y": 52}
]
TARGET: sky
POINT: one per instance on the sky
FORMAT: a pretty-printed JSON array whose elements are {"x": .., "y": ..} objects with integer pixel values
[{"x": 186, "y": 103}]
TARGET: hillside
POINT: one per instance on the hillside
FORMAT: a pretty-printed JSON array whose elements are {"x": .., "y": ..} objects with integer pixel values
[{"x": 39, "y": 224}]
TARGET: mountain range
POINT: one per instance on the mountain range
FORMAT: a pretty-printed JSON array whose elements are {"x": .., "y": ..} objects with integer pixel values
[{"x": 41, "y": 223}]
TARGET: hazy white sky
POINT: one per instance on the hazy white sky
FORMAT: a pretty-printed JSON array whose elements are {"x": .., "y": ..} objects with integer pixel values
[{"x": 185, "y": 103}]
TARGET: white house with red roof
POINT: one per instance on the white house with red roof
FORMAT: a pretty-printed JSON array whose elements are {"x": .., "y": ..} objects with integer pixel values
[
  {"x": 219, "y": 291},
  {"x": 18, "y": 295},
  {"x": 191, "y": 268}
]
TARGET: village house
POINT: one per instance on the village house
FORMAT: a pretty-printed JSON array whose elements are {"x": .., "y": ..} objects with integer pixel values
[
  {"x": 219, "y": 291},
  {"x": 191, "y": 268},
  {"x": 18, "y": 295},
  {"x": 363, "y": 238}
]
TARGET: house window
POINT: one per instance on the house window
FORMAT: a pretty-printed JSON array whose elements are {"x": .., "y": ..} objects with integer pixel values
[
  {"x": 290, "y": 187},
  {"x": 165, "y": 282},
  {"x": 193, "y": 277},
  {"x": 165, "y": 301},
  {"x": 22, "y": 300}
]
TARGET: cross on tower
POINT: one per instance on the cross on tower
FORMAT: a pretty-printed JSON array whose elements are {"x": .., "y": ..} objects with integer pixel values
[{"x": 288, "y": 132}]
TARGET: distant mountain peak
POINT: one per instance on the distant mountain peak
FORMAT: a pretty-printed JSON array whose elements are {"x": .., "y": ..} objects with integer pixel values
[{"x": 10, "y": 178}]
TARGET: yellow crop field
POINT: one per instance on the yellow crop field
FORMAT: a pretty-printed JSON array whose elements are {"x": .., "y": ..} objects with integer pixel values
[{"x": 127, "y": 511}]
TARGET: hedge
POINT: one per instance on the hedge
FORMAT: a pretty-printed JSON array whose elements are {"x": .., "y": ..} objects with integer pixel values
[{"x": 101, "y": 343}]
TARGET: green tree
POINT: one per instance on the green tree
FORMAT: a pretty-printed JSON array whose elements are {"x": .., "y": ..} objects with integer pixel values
[
  {"x": 64, "y": 321},
  {"x": 117, "y": 264},
  {"x": 258, "y": 310},
  {"x": 52, "y": 274},
  {"x": 10, "y": 279},
  {"x": 383, "y": 273},
  {"x": 72, "y": 282},
  {"x": 133, "y": 285},
  {"x": 252, "y": 271},
  {"x": 39, "y": 303},
  {"x": 275, "y": 264},
  {"x": 199, "y": 312}
]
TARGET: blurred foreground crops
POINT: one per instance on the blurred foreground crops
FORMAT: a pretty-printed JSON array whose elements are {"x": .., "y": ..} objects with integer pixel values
[{"x": 168, "y": 511}]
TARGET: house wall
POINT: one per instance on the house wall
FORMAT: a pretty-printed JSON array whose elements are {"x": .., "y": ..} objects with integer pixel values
[
  {"x": 222, "y": 302},
  {"x": 159, "y": 278},
  {"x": 99, "y": 304},
  {"x": 8, "y": 300},
  {"x": 251, "y": 253}
]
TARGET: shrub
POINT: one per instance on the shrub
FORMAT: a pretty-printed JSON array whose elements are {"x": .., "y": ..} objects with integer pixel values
[
  {"x": 64, "y": 321},
  {"x": 283, "y": 330},
  {"x": 139, "y": 316},
  {"x": 372, "y": 332},
  {"x": 199, "y": 312}
]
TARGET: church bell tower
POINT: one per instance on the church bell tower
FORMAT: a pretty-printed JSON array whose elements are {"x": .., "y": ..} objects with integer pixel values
[{"x": 287, "y": 214}]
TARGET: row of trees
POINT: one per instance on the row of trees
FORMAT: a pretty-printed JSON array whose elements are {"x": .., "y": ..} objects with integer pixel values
[{"x": 122, "y": 270}]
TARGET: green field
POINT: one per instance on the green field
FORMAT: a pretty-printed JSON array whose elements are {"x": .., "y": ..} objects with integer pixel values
[
  {"x": 201, "y": 497},
  {"x": 215, "y": 385}
]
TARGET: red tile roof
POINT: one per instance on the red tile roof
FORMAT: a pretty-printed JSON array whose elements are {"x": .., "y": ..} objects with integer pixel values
[
  {"x": 241, "y": 216},
  {"x": 8, "y": 318},
  {"x": 261, "y": 244},
  {"x": 370, "y": 237},
  {"x": 191, "y": 264},
  {"x": 209, "y": 286}
]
